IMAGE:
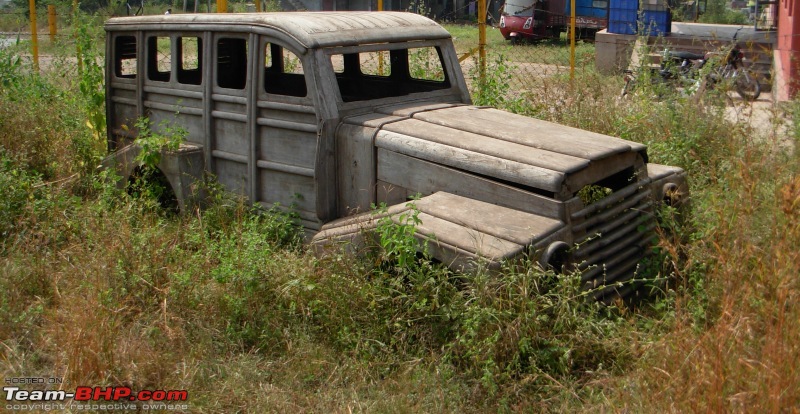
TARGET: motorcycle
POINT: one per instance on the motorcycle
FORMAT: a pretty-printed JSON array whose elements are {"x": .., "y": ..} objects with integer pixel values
[
  {"x": 685, "y": 70},
  {"x": 733, "y": 69}
]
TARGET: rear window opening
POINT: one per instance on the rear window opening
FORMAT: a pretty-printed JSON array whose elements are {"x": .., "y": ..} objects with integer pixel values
[{"x": 125, "y": 59}]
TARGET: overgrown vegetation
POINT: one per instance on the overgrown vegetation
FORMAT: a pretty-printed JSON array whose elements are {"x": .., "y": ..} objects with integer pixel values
[{"x": 100, "y": 288}]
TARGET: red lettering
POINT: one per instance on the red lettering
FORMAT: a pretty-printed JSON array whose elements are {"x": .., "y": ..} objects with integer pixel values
[
  {"x": 143, "y": 395},
  {"x": 159, "y": 395},
  {"x": 178, "y": 395},
  {"x": 103, "y": 393},
  {"x": 83, "y": 394},
  {"x": 121, "y": 392}
]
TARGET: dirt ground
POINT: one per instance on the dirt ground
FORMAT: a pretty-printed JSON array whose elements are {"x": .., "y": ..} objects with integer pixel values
[{"x": 769, "y": 119}]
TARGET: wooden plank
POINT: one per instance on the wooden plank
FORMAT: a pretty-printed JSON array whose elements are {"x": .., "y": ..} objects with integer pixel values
[
  {"x": 424, "y": 177},
  {"x": 508, "y": 224},
  {"x": 371, "y": 120},
  {"x": 516, "y": 172},
  {"x": 529, "y": 131},
  {"x": 326, "y": 194},
  {"x": 453, "y": 233},
  {"x": 391, "y": 194},
  {"x": 287, "y": 147},
  {"x": 465, "y": 238},
  {"x": 286, "y": 168},
  {"x": 287, "y": 125},
  {"x": 606, "y": 167},
  {"x": 286, "y": 189},
  {"x": 355, "y": 164},
  {"x": 411, "y": 108},
  {"x": 286, "y": 107},
  {"x": 479, "y": 143}
]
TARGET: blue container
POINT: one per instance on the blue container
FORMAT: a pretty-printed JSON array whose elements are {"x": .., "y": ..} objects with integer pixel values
[
  {"x": 656, "y": 23},
  {"x": 624, "y": 4},
  {"x": 623, "y": 21},
  {"x": 627, "y": 28},
  {"x": 586, "y": 8},
  {"x": 623, "y": 15}
]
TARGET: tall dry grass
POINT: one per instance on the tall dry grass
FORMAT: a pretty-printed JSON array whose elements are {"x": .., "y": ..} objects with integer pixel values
[{"x": 102, "y": 289}]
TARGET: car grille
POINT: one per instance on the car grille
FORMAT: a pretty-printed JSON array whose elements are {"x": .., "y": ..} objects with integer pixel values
[{"x": 612, "y": 235}]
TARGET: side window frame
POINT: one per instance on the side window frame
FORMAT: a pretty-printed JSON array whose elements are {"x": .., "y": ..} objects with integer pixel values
[
  {"x": 245, "y": 77},
  {"x": 151, "y": 57},
  {"x": 190, "y": 77},
  {"x": 118, "y": 58},
  {"x": 263, "y": 95}
]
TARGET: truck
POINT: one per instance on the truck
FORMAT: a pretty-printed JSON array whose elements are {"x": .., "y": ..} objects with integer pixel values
[
  {"x": 331, "y": 113},
  {"x": 545, "y": 19}
]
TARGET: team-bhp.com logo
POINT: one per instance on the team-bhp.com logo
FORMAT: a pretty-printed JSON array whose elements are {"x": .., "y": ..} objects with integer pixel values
[{"x": 93, "y": 398}]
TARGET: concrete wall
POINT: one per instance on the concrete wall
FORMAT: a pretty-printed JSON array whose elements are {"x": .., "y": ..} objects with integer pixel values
[{"x": 613, "y": 51}]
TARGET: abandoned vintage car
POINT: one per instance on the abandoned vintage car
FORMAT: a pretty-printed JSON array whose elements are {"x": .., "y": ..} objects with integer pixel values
[{"x": 331, "y": 113}]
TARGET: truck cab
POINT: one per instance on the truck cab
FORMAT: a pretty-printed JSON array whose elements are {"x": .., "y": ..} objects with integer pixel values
[{"x": 332, "y": 113}]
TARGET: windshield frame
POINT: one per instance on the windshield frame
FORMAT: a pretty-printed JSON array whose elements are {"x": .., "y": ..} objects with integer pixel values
[{"x": 447, "y": 55}]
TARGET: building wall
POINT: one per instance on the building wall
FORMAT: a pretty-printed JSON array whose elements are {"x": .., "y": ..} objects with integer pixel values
[{"x": 787, "y": 53}]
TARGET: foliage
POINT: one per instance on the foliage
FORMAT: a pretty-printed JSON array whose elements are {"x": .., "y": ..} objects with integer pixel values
[
  {"x": 534, "y": 328},
  {"x": 91, "y": 71},
  {"x": 152, "y": 144},
  {"x": 97, "y": 285},
  {"x": 23, "y": 196},
  {"x": 717, "y": 11},
  {"x": 10, "y": 65},
  {"x": 590, "y": 194},
  {"x": 147, "y": 182},
  {"x": 493, "y": 88},
  {"x": 397, "y": 238}
]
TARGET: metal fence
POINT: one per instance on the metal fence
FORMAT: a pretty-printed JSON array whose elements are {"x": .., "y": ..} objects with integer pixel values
[
  {"x": 523, "y": 65},
  {"x": 526, "y": 64}
]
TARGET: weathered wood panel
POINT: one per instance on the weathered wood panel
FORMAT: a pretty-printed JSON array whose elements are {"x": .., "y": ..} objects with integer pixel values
[
  {"x": 232, "y": 175},
  {"x": 508, "y": 224},
  {"x": 426, "y": 178},
  {"x": 479, "y": 143},
  {"x": 287, "y": 189},
  {"x": 355, "y": 155},
  {"x": 528, "y": 131},
  {"x": 448, "y": 226},
  {"x": 479, "y": 163},
  {"x": 230, "y": 131}
]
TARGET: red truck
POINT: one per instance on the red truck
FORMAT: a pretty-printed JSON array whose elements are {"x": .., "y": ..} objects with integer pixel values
[{"x": 544, "y": 19}]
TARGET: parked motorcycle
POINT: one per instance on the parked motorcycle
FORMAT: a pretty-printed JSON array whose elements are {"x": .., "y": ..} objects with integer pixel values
[
  {"x": 685, "y": 70},
  {"x": 733, "y": 69}
]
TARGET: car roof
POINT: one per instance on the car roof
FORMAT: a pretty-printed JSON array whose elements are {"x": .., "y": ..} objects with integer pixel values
[{"x": 311, "y": 29}]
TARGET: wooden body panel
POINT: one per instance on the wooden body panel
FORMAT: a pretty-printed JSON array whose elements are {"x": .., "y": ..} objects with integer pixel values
[
  {"x": 461, "y": 231},
  {"x": 280, "y": 109}
]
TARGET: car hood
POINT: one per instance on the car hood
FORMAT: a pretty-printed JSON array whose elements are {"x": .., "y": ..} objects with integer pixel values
[{"x": 522, "y": 151}]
